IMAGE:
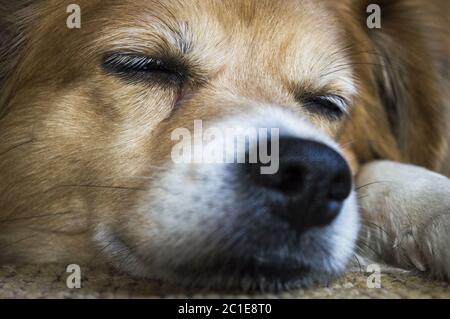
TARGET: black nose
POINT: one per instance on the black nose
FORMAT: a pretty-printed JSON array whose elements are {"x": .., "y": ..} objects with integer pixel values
[{"x": 310, "y": 186}]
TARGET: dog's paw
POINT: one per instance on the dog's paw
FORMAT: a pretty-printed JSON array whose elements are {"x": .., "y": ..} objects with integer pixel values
[{"x": 406, "y": 216}]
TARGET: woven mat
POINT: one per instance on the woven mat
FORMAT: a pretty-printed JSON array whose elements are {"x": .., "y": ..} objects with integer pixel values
[{"x": 49, "y": 281}]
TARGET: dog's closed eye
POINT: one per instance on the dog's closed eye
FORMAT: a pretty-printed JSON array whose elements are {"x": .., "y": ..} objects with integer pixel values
[
  {"x": 332, "y": 106},
  {"x": 136, "y": 67}
]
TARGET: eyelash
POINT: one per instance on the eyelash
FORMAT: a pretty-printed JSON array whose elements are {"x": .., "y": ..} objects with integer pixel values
[
  {"x": 135, "y": 67},
  {"x": 332, "y": 106}
]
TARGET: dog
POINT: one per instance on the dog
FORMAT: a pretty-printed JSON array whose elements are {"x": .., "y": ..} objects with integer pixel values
[{"x": 87, "y": 115}]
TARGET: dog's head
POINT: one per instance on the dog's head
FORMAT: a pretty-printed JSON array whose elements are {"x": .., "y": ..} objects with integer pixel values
[{"x": 92, "y": 120}]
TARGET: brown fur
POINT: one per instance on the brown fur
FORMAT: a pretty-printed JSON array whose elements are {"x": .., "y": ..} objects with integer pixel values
[{"x": 71, "y": 135}]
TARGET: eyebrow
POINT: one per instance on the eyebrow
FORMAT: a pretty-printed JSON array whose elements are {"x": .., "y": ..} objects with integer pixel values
[
  {"x": 337, "y": 88},
  {"x": 160, "y": 40}
]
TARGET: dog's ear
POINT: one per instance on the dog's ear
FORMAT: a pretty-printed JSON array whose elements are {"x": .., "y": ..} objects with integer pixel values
[{"x": 409, "y": 57}]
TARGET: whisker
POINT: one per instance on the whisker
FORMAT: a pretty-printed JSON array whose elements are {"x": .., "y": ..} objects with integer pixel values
[
  {"x": 341, "y": 67},
  {"x": 99, "y": 253},
  {"x": 379, "y": 227},
  {"x": 16, "y": 146},
  {"x": 348, "y": 143},
  {"x": 370, "y": 184},
  {"x": 370, "y": 248},
  {"x": 157, "y": 167},
  {"x": 11, "y": 220},
  {"x": 362, "y": 197},
  {"x": 355, "y": 141},
  {"x": 359, "y": 264},
  {"x": 106, "y": 187},
  {"x": 16, "y": 242}
]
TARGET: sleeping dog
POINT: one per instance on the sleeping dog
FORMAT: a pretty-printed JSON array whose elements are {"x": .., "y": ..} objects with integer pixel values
[{"x": 87, "y": 116}]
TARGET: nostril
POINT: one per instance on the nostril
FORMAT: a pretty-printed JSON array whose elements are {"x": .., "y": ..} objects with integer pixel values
[
  {"x": 291, "y": 179},
  {"x": 341, "y": 185},
  {"x": 329, "y": 213}
]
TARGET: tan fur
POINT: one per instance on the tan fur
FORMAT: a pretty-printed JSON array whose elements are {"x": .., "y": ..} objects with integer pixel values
[{"x": 72, "y": 136}]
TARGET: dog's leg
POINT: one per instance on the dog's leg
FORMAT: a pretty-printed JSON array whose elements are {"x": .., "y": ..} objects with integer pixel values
[{"x": 406, "y": 216}]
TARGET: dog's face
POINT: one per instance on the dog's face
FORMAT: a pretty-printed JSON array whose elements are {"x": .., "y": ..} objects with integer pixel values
[{"x": 90, "y": 136}]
